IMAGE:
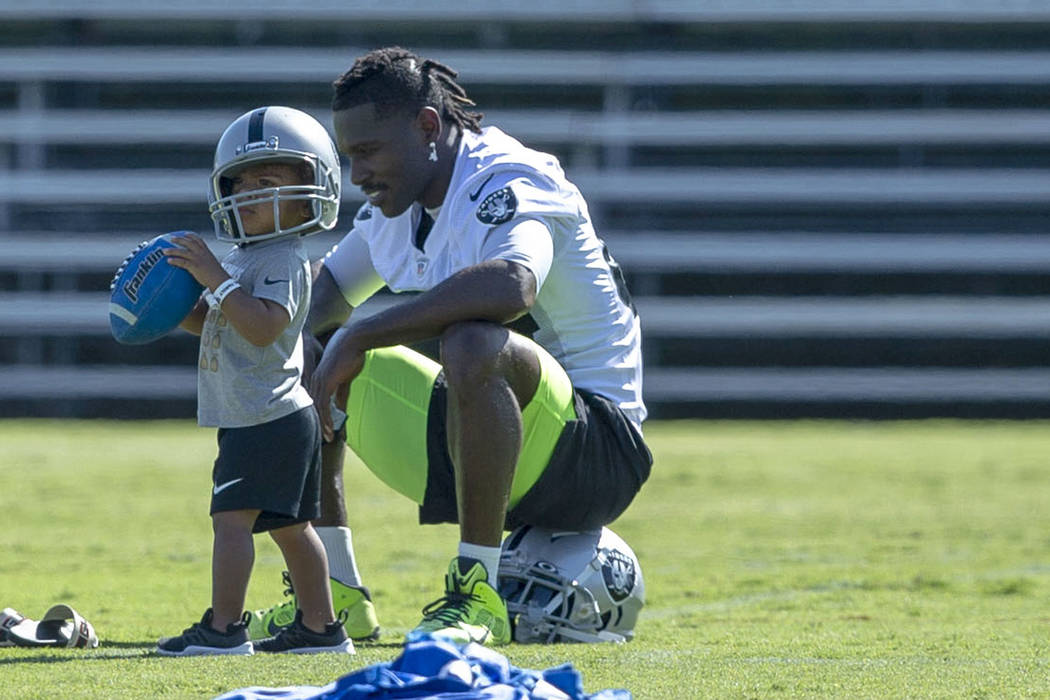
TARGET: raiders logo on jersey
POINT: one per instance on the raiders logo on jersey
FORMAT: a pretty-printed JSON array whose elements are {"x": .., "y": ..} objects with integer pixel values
[{"x": 498, "y": 207}]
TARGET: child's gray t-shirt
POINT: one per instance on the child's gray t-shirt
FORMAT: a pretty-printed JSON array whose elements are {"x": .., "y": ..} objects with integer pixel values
[{"x": 240, "y": 384}]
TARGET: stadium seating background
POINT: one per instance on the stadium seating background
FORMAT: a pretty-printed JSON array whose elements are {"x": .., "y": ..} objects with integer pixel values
[{"x": 823, "y": 208}]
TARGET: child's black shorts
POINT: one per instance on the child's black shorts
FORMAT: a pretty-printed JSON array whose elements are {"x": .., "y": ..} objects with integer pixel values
[{"x": 274, "y": 467}]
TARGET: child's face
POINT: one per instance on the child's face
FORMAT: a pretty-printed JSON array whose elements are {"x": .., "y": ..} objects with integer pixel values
[{"x": 257, "y": 219}]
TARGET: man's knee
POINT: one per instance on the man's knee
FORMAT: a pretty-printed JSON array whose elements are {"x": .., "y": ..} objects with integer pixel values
[{"x": 472, "y": 350}]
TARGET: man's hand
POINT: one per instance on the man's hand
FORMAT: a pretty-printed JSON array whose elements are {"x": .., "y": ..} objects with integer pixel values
[
  {"x": 195, "y": 257},
  {"x": 341, "y": 363}
]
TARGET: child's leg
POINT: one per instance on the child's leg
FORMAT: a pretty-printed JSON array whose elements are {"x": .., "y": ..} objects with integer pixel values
[
  {"x": 232, "y": 557},
  {"x": 308, "y": 566}
]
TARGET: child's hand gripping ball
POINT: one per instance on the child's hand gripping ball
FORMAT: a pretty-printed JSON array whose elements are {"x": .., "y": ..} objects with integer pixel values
[{"x": 148, "y": 297}]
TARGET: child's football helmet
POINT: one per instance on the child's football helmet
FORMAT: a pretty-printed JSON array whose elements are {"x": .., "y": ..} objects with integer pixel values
[
  {"x": 570, "y": 586},
  {"x": 279, "y": 134}
]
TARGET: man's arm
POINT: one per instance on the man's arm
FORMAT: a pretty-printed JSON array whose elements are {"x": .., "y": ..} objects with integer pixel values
[
  {"x": 494, "y": 290},
  {"x": 328, "y": 307},
  {"x": 516, "y": 258},
  {"x": 328, "y": 310}
]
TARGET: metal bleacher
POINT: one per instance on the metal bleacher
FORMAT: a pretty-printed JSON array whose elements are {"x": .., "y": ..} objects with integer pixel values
[{"x": 824, "y": 208}]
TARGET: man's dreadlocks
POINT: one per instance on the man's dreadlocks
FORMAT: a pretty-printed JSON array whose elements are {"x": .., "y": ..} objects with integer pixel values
[{"x": 397, "y": 80}]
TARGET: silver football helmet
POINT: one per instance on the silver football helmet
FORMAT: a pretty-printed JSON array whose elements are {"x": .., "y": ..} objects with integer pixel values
[
  {"x": 570, "y": 586},
  {"x": 279, "y": 134}
]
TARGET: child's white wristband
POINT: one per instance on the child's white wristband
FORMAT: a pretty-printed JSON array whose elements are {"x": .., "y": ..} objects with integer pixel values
[{"x": 224, "y": 289}]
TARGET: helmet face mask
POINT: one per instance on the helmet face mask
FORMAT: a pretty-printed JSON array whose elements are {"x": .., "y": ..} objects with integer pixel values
[
  {"x": 280, "y": 135},
  {"x": 580, "y": 586}
]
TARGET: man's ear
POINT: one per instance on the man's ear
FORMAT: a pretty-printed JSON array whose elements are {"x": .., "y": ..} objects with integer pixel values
[{"x": 429, "y": 123}]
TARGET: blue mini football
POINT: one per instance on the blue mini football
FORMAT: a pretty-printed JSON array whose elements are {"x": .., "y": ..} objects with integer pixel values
[{"x": 148, "y": 297}]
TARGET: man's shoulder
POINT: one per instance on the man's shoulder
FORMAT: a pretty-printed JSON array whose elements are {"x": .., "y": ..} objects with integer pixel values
[
  {"x": 494, "y": 151},
  {"x": 500, "y": 179}
]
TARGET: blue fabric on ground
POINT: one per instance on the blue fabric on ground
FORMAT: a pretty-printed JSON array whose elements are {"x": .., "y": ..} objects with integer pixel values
[{"x": 441, "y": 671}]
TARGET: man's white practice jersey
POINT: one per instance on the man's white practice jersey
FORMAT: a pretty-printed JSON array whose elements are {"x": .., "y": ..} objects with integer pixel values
[{"x": 500, "y": 191}]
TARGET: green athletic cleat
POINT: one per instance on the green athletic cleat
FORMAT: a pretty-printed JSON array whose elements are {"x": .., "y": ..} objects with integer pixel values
[
  {"x": 470, "y": 611},
  {"x": 353, "y": 601},
  {"x": 356, "y": 603}
]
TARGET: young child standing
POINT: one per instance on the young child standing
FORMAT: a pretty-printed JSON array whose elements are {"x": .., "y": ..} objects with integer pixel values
[{"x": 276, "y": 179}]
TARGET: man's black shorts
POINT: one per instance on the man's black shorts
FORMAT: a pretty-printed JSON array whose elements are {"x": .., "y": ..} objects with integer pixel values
[{"x": 599, "y": 464}]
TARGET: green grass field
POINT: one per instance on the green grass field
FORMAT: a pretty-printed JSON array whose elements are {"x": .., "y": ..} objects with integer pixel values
[{"x": 784, "y": 559}]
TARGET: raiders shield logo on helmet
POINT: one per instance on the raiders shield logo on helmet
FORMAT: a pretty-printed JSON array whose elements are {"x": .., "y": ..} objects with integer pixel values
[
  {"x": 618, "y": 573},
  {"x": 498, "y": 207}
]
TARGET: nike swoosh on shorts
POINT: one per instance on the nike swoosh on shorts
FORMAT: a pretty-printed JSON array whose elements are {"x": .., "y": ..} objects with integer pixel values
[{"x": 222, "y": 487}]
